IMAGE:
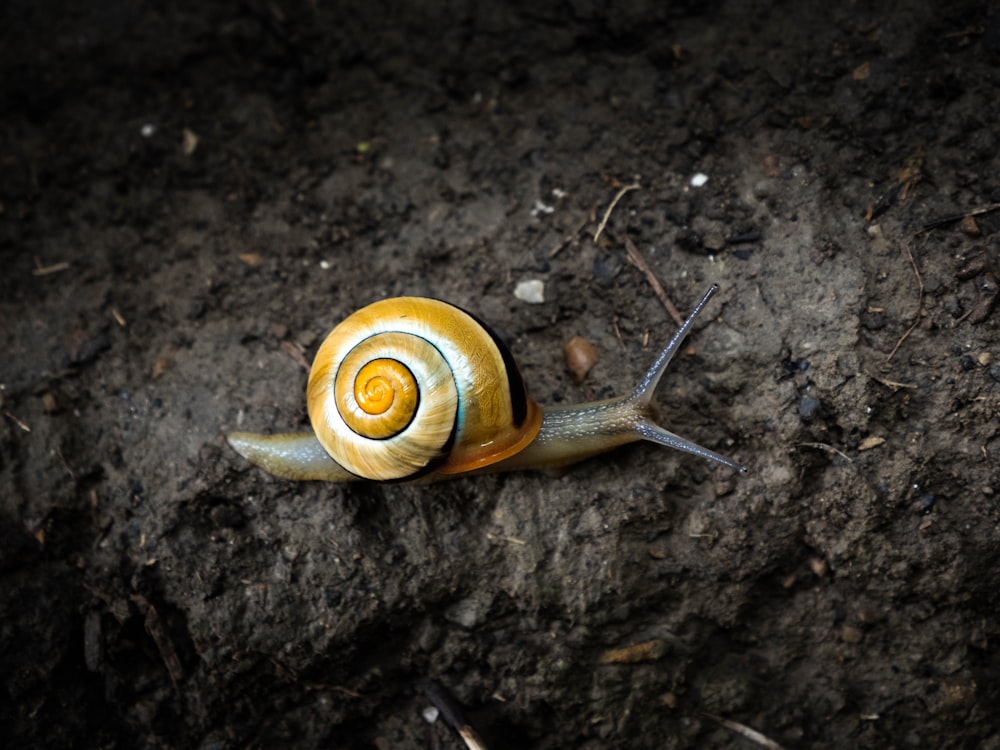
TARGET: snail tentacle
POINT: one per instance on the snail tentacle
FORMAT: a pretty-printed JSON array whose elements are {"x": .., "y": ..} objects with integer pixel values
[
  {"x": 652, "y": 432},
  {"x": 643, "y": 392}
]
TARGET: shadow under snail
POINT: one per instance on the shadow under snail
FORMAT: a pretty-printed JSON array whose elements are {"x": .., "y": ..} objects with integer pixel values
[{"x": 418, "y": 389}]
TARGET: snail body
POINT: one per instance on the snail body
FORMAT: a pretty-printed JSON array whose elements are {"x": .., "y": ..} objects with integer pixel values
[{"x": 418, "y": 389}]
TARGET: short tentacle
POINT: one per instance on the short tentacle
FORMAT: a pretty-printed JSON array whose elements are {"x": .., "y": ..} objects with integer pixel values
[{"x": 652, "y": 432}]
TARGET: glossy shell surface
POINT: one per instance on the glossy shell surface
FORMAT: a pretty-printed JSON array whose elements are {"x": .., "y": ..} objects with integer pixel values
[{"x": 410, "y": 386}]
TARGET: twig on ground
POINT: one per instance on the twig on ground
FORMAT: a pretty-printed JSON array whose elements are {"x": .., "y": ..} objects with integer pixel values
[
  {"x": 935, "y": 223},
  {"x": 16, "y": 421},
  {"x": 920, "y": 304},
  {"x": 452, "y": 714},
  {"x": 614, "y": 202},
  {"x": 743, "y": 730},
  {"x": 41, "y": 270},
  {"x": 158, "y": 631},
  {"x": 639, "y": 262},
  {"x": 569, "y": 238},
  {"x": 828, "y": 449},
  {"x": 892, "y": 383},
  {"x": 618, "y": 332},
  {"x": 295, "y": 353}
]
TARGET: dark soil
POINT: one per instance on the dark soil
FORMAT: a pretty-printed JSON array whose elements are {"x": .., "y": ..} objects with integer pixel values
[{"x": 192, "y": 197}]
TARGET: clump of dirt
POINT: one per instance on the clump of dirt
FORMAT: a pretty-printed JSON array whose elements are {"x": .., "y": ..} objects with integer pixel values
[{"x": 193, "y": 197}]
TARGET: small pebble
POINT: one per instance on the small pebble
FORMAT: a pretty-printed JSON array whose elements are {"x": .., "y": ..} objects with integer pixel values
[
  {"x": 466, "y": 613},
  {"x": 808, "y": 407},
  {"x": 870, "y": 442},
  {"x": 817, "y": 566},
  {"x": 580, "y": 356},
  {"x": 605, "y": 271},
  {"x": 851, "y": 634},
  {"x": 531, "y": 291},
  {"x": 189, "y": 142},
  {"x": 49, "y": 402}
]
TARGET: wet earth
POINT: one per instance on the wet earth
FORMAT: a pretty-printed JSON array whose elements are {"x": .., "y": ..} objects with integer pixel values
[{"x": 193, "y": 195}]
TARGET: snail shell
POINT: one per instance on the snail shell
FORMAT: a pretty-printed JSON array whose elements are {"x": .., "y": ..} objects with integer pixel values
[{"x": 409, "y": 385}]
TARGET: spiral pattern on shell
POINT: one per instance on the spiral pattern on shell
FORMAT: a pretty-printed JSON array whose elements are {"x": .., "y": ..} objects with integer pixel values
[{"x": 408, "y": 385}]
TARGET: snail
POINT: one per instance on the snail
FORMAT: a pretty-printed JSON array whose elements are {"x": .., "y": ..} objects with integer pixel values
[{"x": 418, "y": 389}]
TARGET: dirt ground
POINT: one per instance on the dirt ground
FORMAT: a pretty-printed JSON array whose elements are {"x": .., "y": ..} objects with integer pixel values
[{"x": 192, "y": 197}]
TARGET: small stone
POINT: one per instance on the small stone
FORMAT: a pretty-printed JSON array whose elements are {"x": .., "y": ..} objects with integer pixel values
[
  {"x": 580, "y": 356},
  {"x": 872, "y": 441},
  {"x": 808, "y": 407},
  {"x": 163, "y": 363},
  {"x": 466, "y": 613},
  {"x": 531, "y": 291},
  {"x": 669, "y": 700},
  {"x": 49, "y": 402},
  {"x": 817, "y": 566},
  {"x": 969, "y": 226},
  {"x": 714, "y": 241},
  {"x": 189, "y": 142},
  {"x": 851, "y": 634},
  {"x": 605, "y": 271}
]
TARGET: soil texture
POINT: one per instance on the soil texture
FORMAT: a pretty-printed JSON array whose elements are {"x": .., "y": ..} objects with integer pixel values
[{"x": 194, "y": 194}]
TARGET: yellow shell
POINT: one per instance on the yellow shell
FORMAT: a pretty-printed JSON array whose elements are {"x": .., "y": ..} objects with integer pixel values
[{"x": 409, "y": 386}]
